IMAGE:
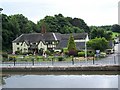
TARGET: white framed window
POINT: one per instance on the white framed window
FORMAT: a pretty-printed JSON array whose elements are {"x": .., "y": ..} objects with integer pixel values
[
  {"x": 17, "y": 43},
  {"x": 18, "y": 48}
]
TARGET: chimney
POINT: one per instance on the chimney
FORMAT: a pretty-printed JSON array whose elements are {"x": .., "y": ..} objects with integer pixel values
[{"x": 43, "y": 28}]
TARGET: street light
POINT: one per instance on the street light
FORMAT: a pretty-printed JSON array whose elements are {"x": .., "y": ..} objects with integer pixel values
[{"x": 85, "y": 50}]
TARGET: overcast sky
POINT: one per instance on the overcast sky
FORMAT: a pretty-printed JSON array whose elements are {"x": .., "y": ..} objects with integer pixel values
[{"x": 93, "y": 12}]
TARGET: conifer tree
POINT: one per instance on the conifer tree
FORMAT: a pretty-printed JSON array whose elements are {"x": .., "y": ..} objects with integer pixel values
[{"x": 71, "y": 44}]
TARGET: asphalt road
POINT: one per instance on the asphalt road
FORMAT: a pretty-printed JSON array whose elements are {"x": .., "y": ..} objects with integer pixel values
[{"x": 110, "y": 60}]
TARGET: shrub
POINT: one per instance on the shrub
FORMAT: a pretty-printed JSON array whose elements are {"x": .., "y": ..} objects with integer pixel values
[
  {"x": 38, "y": 57},
  {"x": 72, "y": 53},
  {"x": 30, "y": 53},
  {"x": 66, "y": 53},
  {"x": 24, "y": 53},
  {"x": 17, "y": 52},
  {"x": 48, "y": 52},
  {"x": 11, "y": 58},
  {"x": 5, "y": 55},
  {"x": 65, "y": 50},
  {"x": 60, "y": 58},
  {"x": 90, "y": 54},
  {"x": 81, "y": 54}
]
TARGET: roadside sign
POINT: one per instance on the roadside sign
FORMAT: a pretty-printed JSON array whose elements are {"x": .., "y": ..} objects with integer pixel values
[{"x": 97, "y": 51}]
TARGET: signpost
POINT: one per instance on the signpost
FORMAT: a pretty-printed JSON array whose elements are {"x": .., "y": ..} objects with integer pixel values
[{"x": 97, "y": 53}]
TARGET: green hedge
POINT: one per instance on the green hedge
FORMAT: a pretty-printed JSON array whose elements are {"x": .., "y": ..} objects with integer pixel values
[
  {"x": 60, "y": 58},
  {"x": 81, "y": 54}
]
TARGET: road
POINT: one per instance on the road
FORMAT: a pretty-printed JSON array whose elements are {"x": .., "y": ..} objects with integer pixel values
[{"x": 110, "y": 60}]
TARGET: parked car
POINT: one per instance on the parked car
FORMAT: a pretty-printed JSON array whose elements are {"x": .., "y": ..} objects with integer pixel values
[
  {"x": 109, "y": 51},
  {"x": 103, "y": 54}
]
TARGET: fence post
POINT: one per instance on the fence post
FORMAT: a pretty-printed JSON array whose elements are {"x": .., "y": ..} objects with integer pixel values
[
  {"x": 72, "y": 61},
  {"x": 14, "y": 60},
  {"x": 33, "y": 61},
  {"x": 114, "y": 60},
  {"x": 93, "y": 60},
  {"x": 52, "y": 61}
]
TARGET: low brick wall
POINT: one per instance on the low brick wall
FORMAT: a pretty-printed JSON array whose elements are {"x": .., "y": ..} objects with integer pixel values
[{"x": 62, "y": 68}]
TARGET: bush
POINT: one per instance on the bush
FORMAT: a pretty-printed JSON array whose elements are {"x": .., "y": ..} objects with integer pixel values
[
  {"x": 17, "y": 52},
  {"x": 81, "y": 54},
  {"x": 29, "y": 53},
  {"x": 38, "y": 57},
  {"x": 60, "y": 58},
  {"x": 11, "y": 58},
  {"x": 24, "y": 53},
  {"x": 90, "y": 54},
  {"x": 66, "y": 53},
  {"x": 5, "y": 55},
  {"x": 65, "y": 50},
  {"x": 48, "y": 52},
  {"x": 72, "y": 53}
]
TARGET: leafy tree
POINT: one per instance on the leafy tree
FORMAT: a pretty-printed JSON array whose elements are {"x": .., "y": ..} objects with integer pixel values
[
  {"x": 13, "y": 26},
  {"x": 116, "y": 28},
  {"x": 80, "y": 23},
  {"x": 108, "y": 35},
  {"x": 61, "y": 24},
  {"x": 100, "y": 32},
  {"x": 98, "y": 44}
]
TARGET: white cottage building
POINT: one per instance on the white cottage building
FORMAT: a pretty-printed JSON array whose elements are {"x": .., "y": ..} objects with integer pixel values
[{"x": 47, "y": 41}]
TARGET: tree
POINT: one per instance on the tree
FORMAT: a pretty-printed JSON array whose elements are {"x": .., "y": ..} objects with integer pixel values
[
  {"x": 100, "y": 32},
  {"x": 61, "y": 24},
  {"x": 108, "y": 35},
  {"x": 98, "y": 44},
  {"x": 72, "y": 50},
  {"x": 13, "y": 26},
  {"x": 116, "y": 28},
  {"x": 71, "y": 43},
  {"x": 80, "y": 23}
]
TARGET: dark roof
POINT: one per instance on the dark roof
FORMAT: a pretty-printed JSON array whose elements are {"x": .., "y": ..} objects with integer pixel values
[
  {"x": 76, "y": 36},
  {"x": 33, "y": 46},
  {"x": 63, "y": 44},
  {"x": 79, "y": 35},
  {"x": 80, "y": 45},
  {"x": 35, "y": 37}
]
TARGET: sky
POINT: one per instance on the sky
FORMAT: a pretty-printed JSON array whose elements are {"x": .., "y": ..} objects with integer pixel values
[{"x": 93, "y": 12}]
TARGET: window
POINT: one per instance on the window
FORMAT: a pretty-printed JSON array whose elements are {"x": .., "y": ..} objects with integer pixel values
[
  {"x": 24, "y": 44},
  {"x": 34, "y": 43},
  {"x": 17, "y": 43},
  {"x": 41, "y": 44},
  {"x": 18, "y": 49}
]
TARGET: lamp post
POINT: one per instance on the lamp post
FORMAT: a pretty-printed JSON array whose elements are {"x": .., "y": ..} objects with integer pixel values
[
  {"x": 85, "y": 51},
  {"x": 1, "y": 29}
]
